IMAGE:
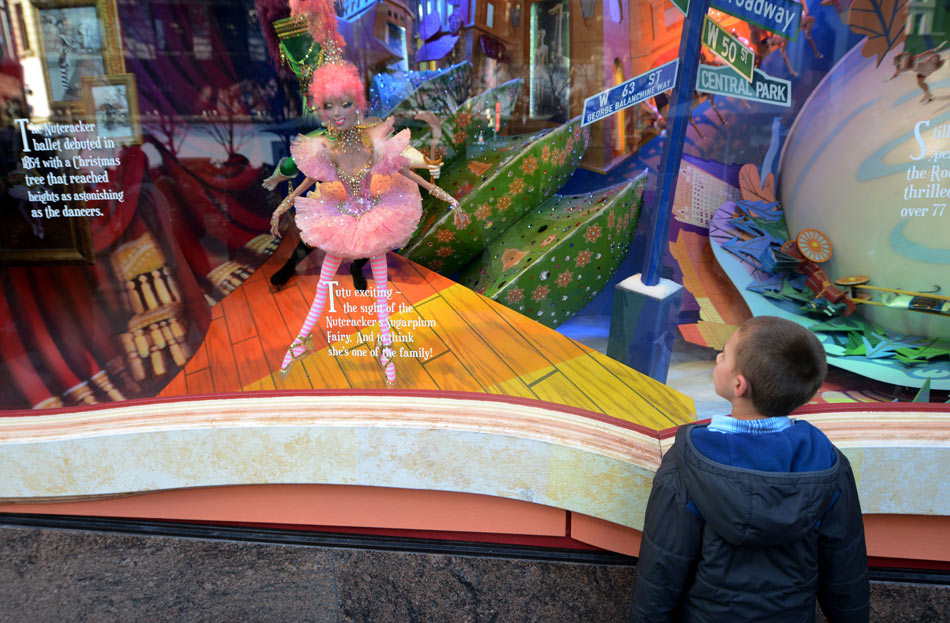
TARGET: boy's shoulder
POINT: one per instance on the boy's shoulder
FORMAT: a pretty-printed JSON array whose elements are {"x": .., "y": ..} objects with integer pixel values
[{"x": 797, "y": 447}]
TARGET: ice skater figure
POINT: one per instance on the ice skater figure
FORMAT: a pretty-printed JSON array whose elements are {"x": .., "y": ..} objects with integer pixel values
[{"x": 923, "y": 65}]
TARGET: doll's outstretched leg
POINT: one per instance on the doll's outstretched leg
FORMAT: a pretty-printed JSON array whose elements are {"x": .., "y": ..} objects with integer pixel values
[
  {"x": 300, "y": 344},
  {"x": 386, "y": 353}
]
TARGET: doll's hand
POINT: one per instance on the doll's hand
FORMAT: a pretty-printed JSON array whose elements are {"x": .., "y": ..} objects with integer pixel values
[
  {"x": 271, "y": 182},
  {"x": 434, "y": 170},
  {"x": 460, "y": 217},
  {"x": 275, "y": 217}
]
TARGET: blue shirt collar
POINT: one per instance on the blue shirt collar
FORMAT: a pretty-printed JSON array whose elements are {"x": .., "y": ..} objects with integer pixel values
[{"x": 728, "y": 425}]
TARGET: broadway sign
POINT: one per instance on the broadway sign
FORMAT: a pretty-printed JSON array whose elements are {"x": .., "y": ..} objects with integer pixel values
[{"x": 779, "y": 16}]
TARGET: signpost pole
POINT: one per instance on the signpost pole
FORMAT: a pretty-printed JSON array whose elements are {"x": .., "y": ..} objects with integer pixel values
[
  {"x": 679, "y": 114},
  {"x": 645, "y": 308}
]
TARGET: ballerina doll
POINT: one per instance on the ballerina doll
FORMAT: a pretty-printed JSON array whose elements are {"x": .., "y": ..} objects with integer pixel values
[{"x": 369, "y": 200}]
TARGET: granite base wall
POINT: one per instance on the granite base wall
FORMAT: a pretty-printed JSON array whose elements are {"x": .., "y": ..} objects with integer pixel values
[{"x": 60, "y": 574}]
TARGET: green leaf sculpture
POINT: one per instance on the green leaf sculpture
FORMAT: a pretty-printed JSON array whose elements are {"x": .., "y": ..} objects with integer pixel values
[
  {"x": 558, "y": 257},
  {"x": 497, "y": 183}
]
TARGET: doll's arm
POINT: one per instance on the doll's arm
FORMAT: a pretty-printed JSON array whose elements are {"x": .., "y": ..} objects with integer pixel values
[
  {"x": 286, "y": 170},
  {"x": 418, "y": 161},
  {"x": 460, "y": 218},
  {"x": 286, "y": 203}
]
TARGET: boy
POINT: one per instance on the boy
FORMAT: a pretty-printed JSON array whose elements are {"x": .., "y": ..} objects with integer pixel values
[{"x": 753, "y": 515}]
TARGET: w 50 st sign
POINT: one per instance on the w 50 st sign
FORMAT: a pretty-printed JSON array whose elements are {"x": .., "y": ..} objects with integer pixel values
[{"x": 728, "y": 47}]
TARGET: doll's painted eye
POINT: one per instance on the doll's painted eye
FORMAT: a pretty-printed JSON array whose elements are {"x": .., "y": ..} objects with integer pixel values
[{"x": 347, "y": 104}]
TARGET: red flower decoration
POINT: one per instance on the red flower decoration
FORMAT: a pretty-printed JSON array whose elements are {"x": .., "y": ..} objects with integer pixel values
[
  {"x": 459, "y": 136},
  {"x": 565, "y": 278},
  {"x": 592, "y": 233},
  {"x": 514, "y": 295},
  {"x": 546, "y": 153},
  {"x": 444, "y": 235},
  {"x": 503, "y": 203},
  {"x": 444, "y": 251},
  {"x": 465, "y": 118},
  {"x": 611, "y": 219},
  {"x": 517, "y": 186},
  {"x": 529, "y": 165},
  {"x": 540, "y": 292},
  {"x": 583, "y": 258},
  {"x": 482, "y": 212},
  {"x": 436, "y": 264}
]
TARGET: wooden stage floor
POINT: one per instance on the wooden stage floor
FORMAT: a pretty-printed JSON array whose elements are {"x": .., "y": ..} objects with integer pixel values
[{"x": 451, "y": 339}]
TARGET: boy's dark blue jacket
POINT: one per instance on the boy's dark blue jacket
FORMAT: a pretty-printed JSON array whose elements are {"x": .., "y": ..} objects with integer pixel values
[{"x": 743, "y": 528}]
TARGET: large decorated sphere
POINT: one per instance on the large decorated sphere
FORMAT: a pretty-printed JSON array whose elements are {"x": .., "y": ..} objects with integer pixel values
[{"x": 868, "y": 164}]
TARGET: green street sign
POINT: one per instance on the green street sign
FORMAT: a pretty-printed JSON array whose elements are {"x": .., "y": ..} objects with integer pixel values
[
  {"x": 763, "y": 88},
  {"x": 682, "y": 5},
  {"x": 783, "y": 17},
  {"x": 728, "y": 48}
]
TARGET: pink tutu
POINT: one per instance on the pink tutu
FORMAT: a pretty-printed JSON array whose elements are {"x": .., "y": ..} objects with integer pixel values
[{"x": 384, "y": 214}]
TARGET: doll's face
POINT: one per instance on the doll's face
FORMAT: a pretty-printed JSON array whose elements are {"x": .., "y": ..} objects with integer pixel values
[{"x": 338, "y": 112}]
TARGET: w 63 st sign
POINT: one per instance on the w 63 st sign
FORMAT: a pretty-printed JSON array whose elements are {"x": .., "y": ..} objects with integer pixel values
[{"x": 631, "y": 92}]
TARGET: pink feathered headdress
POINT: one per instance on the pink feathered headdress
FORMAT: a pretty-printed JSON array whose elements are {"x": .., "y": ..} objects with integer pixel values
[
  {"x": 334, "y": 76},
  {"x": 322, "y": 21}
]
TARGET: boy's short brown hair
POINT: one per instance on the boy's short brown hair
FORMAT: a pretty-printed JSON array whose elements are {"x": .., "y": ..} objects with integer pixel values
[{"x": 783, "y": 362}]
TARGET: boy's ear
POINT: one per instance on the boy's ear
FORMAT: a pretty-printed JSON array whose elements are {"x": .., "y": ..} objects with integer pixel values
[{"x": 742, "y": 387}]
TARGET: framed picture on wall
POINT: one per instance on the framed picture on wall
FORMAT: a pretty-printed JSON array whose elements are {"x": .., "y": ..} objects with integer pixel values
[
  {"x": 77, "y": 38},
  {"x": 550, "y": 62},
  {"x": 111, "y": 103}
]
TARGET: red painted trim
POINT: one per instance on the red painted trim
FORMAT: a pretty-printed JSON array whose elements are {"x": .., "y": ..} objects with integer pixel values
[
  {"x": 666, "y": 433},
  {"x": 854, "y": 407},
  {"x": 850, "y": 407},
  {"x": 908, "y": 563},
  {"x": 444, "y": 395},
  {"x": 562, "y": 542}
]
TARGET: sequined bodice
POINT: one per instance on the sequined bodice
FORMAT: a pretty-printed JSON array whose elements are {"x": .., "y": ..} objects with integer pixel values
[{"x": 359, "y": 199}]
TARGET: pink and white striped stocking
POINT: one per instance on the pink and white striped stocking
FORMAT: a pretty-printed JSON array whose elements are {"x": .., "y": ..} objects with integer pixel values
[
  {"x": 327, "y": 272},
  {"x": 378, "y": 264}
]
